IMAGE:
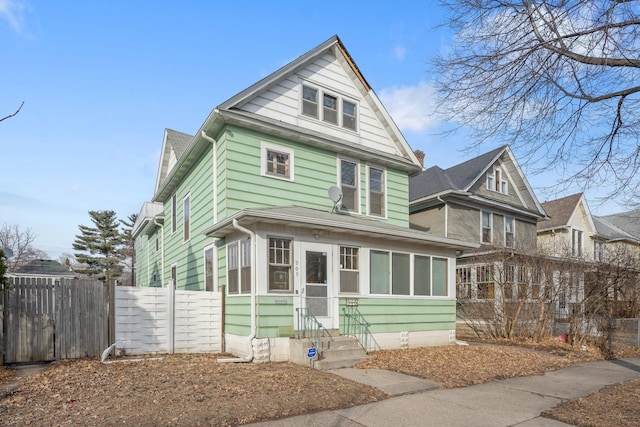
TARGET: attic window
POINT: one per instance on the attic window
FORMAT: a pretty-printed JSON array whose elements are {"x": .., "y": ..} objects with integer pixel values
[
  {"x": 495, "y": 181},
  {"x": 335, "y": 109}
]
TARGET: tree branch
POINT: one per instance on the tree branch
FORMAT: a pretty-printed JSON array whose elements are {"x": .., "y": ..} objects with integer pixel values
[{"x": 11, "y": 115}]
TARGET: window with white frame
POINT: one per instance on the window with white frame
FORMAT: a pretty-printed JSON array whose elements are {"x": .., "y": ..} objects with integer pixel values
[
  {"x": 277, "y": 161},
  {"x": 599, "y": 251},
  {"x": 239, "y": 267},
  {"x": 486, "y": 225},
  {"x": 509, "y": 231},
  {"x": 208, "y": 269},
  {"x": 349, "y": 177},
  {"x": 280, "y": 258},
  {"x": 576, "y": 243},
  {"x": 376, "y": 191},
  {"x": 349, "y": 269},
  {"x": 186, "y": 214},
  {"x": 335, "y": 110},
  {"x": 391, "y": 274},
  {"x": 174, "y": 213},
  {"x": 485, "y": 282},
  {"x": 496, "y": 181}
]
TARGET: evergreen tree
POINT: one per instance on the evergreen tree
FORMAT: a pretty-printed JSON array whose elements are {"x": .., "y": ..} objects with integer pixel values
[
  {"x": 3, "y": 269},
  {"x": 100, "y": 247},
  {"x": 128, "y": 249}
]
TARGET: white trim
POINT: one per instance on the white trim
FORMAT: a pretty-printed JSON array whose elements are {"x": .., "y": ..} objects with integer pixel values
[
  {"x": 214, "y": 276},
  {"x": 490, "y": 227},
  {"x": 265, "y": 147}
]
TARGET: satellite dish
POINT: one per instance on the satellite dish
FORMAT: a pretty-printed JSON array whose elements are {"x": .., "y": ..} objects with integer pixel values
[{"x": 335, "y": 195}]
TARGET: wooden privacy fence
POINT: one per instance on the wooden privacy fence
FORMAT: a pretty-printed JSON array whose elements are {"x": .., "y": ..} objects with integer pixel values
[{"x": 47, "y": 319}]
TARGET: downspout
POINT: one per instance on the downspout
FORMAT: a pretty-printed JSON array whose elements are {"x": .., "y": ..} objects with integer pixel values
[
  {"x": 155, "y": 221},
  {"x": 249, "y": 357}
]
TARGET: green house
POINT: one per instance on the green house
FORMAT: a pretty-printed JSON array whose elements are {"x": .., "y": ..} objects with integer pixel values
[{"x": 292, "y": 200}]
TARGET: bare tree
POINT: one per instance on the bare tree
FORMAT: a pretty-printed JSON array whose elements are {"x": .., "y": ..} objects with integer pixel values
[
  {"x": 558, "y": 80},
  {"x": 14, "y": 114},
  {"x": 21, "y": 244}
]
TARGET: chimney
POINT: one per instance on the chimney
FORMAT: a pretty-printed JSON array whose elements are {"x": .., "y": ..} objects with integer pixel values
[{"x": 420, "y": 155}]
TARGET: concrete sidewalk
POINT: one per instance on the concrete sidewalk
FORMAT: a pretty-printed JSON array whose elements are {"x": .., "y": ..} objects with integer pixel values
[{"x": 516, "y": 401}]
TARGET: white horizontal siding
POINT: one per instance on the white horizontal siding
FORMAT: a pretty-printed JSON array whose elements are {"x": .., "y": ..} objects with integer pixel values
[
  {"x": 143, "y": 320},
  {"x": 282, "y": 102}
]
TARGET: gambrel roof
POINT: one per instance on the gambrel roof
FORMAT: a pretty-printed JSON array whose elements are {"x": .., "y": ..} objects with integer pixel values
[{"x": 463, "y": 180}]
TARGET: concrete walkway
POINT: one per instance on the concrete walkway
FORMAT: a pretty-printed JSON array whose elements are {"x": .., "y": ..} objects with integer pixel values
[{"x": 516, "y": 401}]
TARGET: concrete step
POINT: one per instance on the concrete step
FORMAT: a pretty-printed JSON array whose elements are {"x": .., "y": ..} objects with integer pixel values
[{"x": 340, "y": 352}]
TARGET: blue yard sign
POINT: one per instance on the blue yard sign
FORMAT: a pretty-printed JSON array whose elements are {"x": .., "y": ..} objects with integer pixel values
[{"x": 311, "y": 352}]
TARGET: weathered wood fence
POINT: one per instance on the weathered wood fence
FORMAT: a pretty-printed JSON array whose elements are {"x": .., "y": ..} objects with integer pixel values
[{"x": 45, "y": 319}]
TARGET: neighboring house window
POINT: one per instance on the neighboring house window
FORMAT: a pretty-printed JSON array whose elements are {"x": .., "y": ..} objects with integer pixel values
[
  {"x": 187, "y": 218},
  {"x": 277, "y": 162},
  {"x": 509, "y": 231},
  {"x": 349, "y": 115},
  {"x": 233, "y": 272},
  {"x": 349, "y": 269},
  {"x": 508, "y": 280},
  {"x": 279, "y": 264},
  {"x": 599, "y": 251},
  {"x": 349, "y": 185},
  {"x": 484, "y": 282},
  {"x": 463, "y": 282},
  {"x": 487, "y": 223},
  {"x": 496, "y": 182},
  {"x": 310, "y": 101},
  {"x": 330, "y": 109},
  {"x": 208, "y": 269},
  {"x": 335, "y": 109},
  {"x": 174, "y": 213},
  {"x": 576, "y": 243},
  {"x": 376, "y": 192}
]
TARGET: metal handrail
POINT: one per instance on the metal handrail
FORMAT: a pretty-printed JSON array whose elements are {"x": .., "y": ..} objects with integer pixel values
[
  {"x": 310, "y": 327},
  {"x": 356, "y": 325}
]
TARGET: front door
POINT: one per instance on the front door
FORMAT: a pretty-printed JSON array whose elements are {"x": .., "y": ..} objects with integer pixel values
[{"x": 317, "y": 283}]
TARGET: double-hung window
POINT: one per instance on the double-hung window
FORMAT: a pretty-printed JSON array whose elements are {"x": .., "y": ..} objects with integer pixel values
[
  {"x": 186, "y": 214},
  {"x": 239, "y": 267},
  {"x": 376, "y": 192},
  {"x": 487, "y": 224},
  {"x": 280, "y": 258},
  {"x": 509, "y": 231},
  {"x": 330, "y": 109},
  {"x": 349, "y": 269},
  {"x": 208, "y": 269},
  {"x": 349, "y": 185},
  {"x": 310, "y": 101},
  {"x": 576, "y": 243},
  {"x": 348, "y": 115}
]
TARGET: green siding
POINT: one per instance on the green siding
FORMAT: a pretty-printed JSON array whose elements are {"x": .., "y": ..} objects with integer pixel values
[
  {"x": 275, "y": 319},
  {"x": 405, "y": 314},
  {"x": 237, "y": 315}
]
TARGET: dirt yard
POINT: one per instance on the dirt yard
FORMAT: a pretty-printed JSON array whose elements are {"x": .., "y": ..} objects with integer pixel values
[{"x": 193, "y": 390}]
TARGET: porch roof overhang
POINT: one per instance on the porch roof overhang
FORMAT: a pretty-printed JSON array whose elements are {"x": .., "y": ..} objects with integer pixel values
[{"x": 337, "y": 222}]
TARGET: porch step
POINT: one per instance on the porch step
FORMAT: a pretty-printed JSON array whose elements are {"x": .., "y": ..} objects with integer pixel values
[{"x": 340, "y": 352}]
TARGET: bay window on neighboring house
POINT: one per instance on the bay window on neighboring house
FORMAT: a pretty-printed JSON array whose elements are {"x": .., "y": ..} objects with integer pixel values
[
  {"x": 486, "y": 225},
  {"x": 377, "y": 198},
  {"x": 349, "y": 269},
  {"x": 280, "y": 259},
  {"x": 509, "y": 231},
  {"x": 599, "y": 251},
  {"x": 349, "y": 177},
  {"x": 463, "y": 282},
  {"x": 576, "y": 243},
  {"x": 391, "y": 274}
]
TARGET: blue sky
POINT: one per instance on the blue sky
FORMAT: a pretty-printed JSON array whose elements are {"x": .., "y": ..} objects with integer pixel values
[{"x": 101, "y": 81}]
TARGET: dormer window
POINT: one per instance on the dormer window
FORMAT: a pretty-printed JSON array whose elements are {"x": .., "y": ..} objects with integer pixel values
[
  {"x": 335, "y": 109},
  {"x": 496, "y": 182}
]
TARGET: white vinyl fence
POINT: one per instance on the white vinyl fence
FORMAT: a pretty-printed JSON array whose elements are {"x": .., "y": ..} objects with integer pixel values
[{"x": 164, "y": 320}]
